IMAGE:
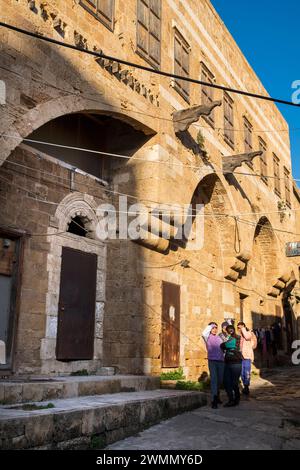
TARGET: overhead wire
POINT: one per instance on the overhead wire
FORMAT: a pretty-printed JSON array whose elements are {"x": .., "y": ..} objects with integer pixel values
[
  {"x": 133, "y": 158},
  {"x": 153, "y": 116},
  {"x": 101, "y": 55}
]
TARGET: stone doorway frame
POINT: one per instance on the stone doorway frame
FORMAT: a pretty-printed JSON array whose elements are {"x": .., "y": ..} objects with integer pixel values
[{"x": 75, "y": 204}]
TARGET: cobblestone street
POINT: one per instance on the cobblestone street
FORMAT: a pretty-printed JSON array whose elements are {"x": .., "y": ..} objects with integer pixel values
[{"x": 270, "y": 419}]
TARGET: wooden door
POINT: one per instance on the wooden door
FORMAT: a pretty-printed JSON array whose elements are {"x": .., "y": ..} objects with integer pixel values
[
  {"x": 170, "y": 325},
  {"x": 77, "y": 300}
]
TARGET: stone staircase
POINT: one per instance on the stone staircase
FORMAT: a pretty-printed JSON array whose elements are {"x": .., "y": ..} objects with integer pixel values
[{"x": 85, "y": 412}]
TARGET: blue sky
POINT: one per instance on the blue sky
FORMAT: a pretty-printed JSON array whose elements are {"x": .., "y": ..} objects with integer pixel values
[{"x": 267, "y": 31}]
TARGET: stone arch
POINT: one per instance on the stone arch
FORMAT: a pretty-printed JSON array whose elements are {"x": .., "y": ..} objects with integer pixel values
[
  {"x": 76, "y": 204},
  {"x": 211, "y": 192},
  {"x": 265, "y": 253},
  {"x": 13, "y": 136}
]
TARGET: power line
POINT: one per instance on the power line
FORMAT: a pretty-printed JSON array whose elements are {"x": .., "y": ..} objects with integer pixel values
[
  {"x": 135, "y": 197},
  {"x": 127, "y": 157},
  {"x": 160, "y": 118},
  {"x": 145, "y": 68},
  {"x": 236, "y": 217}
]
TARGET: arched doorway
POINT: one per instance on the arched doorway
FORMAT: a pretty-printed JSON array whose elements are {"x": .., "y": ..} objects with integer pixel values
[{"x": 56, "y": 189}]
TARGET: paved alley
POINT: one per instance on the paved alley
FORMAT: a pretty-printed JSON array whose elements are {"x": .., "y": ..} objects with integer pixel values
[{"x": 270, "y": 419}]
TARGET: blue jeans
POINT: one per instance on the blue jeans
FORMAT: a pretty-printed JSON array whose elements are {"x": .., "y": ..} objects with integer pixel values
[
  {"x": 232, "y": 375},
  {"x": 216, "y": 370},
  {"x": 246, "y": 371}
]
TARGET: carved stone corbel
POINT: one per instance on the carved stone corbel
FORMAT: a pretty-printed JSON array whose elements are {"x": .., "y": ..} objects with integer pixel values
[
  {"x": 232, "y": 162},
  {"x": 185, "y": 117}
]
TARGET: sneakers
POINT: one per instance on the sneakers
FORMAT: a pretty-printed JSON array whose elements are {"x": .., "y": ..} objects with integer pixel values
[
  {"x": 229, "y": 404},
  {"x": 214, "y": 403},
  {"x": 246, "y": 390}
]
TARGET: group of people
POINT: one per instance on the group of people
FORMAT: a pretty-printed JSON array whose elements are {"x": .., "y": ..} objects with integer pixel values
[{"x": 230, "y": 356}]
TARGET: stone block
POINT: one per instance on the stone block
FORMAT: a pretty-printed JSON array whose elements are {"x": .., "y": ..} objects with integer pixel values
[
  {"x": 39, "y": 430},
  {"x": 67, "y": 425}
]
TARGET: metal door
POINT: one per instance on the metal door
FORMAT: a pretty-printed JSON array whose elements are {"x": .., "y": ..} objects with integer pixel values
[
  {"x": 9, "y": 270},
  {"x": 170, "y": 325},
  {"x": 77, "y": 300}
]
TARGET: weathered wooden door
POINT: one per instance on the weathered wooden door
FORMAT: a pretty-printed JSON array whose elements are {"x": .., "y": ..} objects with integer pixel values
[
  {"x": 76, "y": 315},
  {"x": 170, "y": 325}
]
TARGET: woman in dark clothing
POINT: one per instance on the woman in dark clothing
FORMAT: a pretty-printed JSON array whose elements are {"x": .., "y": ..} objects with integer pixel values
[{"x": 233, "y": 366}]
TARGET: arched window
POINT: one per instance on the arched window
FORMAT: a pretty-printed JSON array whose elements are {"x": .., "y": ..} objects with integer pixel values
[{"x": 77, "y": 227}]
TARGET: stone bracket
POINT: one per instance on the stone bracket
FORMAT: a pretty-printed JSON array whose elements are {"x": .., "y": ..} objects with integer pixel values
[
  {"x": 230, "y": 163},
  {"x": 238, "y": 265},
  {"x": 184, "y": 118}
]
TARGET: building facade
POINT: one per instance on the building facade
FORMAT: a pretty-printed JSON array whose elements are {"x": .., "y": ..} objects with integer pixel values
[{"x": 81, "y": 134}]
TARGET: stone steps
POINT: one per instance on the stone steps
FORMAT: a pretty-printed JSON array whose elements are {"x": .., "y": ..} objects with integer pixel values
[
  {"x": 17, "y": 390},
  {"x": 91, "y": 421}
]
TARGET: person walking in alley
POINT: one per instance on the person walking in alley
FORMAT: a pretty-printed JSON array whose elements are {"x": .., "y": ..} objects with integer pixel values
[
  {"x": 215, "y": 361},
  {"x": 233, "y": 366},
  {"x": 248, "y": 344}
]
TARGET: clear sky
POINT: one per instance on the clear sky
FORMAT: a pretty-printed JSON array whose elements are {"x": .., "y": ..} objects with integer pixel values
[{"x": 268, "y": 33}]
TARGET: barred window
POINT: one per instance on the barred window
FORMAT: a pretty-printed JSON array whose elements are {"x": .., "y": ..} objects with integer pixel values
[
  {"x": 277, "y": 188},
  {"x": 207, "y": 92},
  {"x": 103, "y": 10},
  {"x": 149, "y": 30},
  {"x": 287, "y": 187},
  {"x": 228, "y": 120},
  {"x": 263, "y": 161},
  {"x": 181, "y": 65}
]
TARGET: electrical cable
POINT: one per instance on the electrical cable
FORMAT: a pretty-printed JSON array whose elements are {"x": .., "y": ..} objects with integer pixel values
[
  {"x": 142, "y": 67},
  {"x": 133, "y": 158}
]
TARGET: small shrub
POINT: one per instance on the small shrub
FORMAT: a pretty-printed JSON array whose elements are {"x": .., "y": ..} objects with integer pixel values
[
  {"x": 97, "y": 441},
  {"x": 189, "y": 385},
  {"x": 200, "y": 140},
  {"x": 80, "y": 372},
  {"x": 173, "y": 375},
  {"x": 33, "y": 407}
]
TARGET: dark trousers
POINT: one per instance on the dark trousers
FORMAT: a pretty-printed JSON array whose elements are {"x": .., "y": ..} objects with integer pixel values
[{"x": 232, "y": 375}]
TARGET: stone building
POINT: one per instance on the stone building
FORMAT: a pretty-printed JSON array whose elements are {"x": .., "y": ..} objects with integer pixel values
[{"x": 71, "y": 301}]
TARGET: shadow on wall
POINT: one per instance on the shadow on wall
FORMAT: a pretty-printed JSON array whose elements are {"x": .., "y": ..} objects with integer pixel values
[
  {"x": 89, "y": 128},
  {"x": 275, "y": 335}
]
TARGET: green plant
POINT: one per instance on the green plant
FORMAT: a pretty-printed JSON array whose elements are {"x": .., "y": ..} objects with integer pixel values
[
  {"x": 189, "y": 385},
  {"x": 200, "y": 140},
  {"x": 97, "y": 441},
  {"x": 173, "y": 375},
  {"x": 80, "y": 372},
  {"x": 33, "y": 407}
]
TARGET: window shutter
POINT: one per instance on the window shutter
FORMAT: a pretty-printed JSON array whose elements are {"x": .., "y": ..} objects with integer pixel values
[
  {"x": 106, "y": 7},
  {"x": 149, "y": 30},
  {"x": 154, "y": 31},
  {"x": 101, "y": 9}
]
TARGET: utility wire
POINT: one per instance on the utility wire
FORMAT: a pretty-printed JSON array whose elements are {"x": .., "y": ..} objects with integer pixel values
[
  {"x": 133, "y": 158},
  {"x": 135, "y": 197},
  {"x": 145, "y": 68},
  {"x": 160, "y": 118},
  {"x": 236, "y": 217}
]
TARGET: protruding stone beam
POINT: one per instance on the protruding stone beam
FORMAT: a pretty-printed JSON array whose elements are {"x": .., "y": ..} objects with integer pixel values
[
  {"x": 232, "y": 162},
  {"x": 185, "y": 117}
]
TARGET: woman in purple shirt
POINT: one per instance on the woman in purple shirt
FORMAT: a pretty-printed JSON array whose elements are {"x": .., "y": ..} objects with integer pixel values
[{"x": 215, "y": 357}]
